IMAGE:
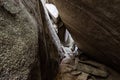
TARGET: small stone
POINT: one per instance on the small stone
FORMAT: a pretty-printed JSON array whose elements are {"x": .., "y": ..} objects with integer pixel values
[
  {"x": 92, "y": 70},
  {"x": 66, "y": 61},
  {"x": 65, "y": 68},
  {"x": 83, "y": 76},
  {"x": 75, "y": 73},
  {"x": 10, "y": 6}
]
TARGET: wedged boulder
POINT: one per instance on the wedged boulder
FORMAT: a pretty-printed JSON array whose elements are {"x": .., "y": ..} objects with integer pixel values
[
  {"x": 94, "y": 25},
  {"x": 18, "y": 41}
]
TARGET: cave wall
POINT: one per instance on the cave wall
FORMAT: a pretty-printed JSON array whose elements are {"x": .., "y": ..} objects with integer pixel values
[
  {"x": 26, "y": 51},
  {"x": 94, "y": 25}
]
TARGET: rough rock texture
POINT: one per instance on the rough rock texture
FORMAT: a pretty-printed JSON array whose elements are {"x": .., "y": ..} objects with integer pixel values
[
  {"x": 74, "y": 68},
  {"x": 94, "y": 25},
  {"x": 18, "y": 41},
  {"x": 26, "y": 50}
]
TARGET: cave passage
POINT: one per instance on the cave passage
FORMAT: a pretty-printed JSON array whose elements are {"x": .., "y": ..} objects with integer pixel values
[
  {"x": 74, "y": 64},
  {"x": 59, "y": 40}
]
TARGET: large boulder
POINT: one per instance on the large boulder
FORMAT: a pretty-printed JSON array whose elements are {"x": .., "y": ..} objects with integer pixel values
[
  {"x": 27, "y": 51},
  {"x": 95, "y": 26},
  {"x": 18, "y": 41}
]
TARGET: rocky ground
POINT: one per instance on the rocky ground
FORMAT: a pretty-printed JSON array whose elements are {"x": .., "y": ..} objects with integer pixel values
[{"x": 73, "y": 68}]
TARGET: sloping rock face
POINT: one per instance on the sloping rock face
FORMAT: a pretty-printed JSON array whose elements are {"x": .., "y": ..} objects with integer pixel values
[{"x": 94, "y": 25}]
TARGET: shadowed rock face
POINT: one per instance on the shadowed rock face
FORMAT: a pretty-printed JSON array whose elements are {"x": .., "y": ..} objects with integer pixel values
[{"x": 95, "y": 26}]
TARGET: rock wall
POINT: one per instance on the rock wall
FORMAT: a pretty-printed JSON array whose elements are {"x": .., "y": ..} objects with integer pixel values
[
  {"x": 94, "y": 25},
  {"x": 26, "y": 51},
  {"x": 18, "y": 41}
]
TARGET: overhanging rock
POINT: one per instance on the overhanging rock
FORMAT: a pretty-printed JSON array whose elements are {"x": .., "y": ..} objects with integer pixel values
[{"x": 94, "y": 25}]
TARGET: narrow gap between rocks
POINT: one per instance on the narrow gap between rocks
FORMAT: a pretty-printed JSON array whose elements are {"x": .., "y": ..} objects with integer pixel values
[
  {"x": 74, "y": 64},
  {"x": 39, "y": 42}
]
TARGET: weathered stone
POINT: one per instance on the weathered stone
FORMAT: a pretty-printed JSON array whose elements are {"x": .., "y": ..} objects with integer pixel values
[
  {"x": 18, "y": 41},
  {"x": 94, "y": 25},
  {"x": 83, "y": 76},
  {"x": 92, "y": 70},
  {"x": 65, "y": 68},
  {"x": 75, "y": 73}
]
